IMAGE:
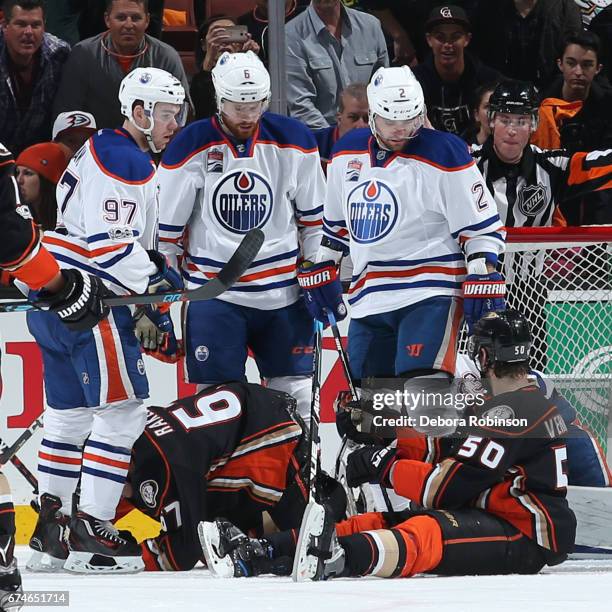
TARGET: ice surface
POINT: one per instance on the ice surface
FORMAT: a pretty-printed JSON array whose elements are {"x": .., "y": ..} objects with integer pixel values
[{"x": 575, "y": 586}]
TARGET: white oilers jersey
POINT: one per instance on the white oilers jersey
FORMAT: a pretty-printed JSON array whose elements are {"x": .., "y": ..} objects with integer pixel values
[
  {"x": 213, "y": 191},
  {"x": 410, "y": 219},
  {"x": 107, "y": 212}
]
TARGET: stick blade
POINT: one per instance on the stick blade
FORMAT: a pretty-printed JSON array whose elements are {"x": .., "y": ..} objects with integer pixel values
[{"x": 242, "y": 258}]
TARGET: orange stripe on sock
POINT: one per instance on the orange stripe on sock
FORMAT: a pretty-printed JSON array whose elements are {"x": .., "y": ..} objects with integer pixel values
[
  {"x": 59, "y": 459},
  {"x": 106, "y": 461}
]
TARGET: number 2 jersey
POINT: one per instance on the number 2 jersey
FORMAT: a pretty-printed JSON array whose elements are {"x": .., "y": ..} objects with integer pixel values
[
  {"x": 213, "y": 190},
  {"x": 228, "y": 451},
  {"x": 409, "y": 218},
  {"x": 512, "y": 463},
  {"x": 107, "y": 212}
]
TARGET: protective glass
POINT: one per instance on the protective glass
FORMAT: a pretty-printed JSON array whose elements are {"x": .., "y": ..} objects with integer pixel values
[
  {"x": 242, "y": 111},
  {"x": 522, "y": 122},
  {"x": 164, "y": 112},
  {"x": 401, "y": 129}
]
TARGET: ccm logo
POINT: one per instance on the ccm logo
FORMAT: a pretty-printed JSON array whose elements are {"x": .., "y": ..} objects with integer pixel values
[
  {"x": 488, "y": 289},
  {"x": 302, "y": 350}
]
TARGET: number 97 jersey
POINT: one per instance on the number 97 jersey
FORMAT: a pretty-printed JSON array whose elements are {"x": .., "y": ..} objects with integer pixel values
[{"x": 107, "y": 212}]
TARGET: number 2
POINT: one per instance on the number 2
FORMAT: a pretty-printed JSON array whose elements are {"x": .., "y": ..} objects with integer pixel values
[{"x": 479, "y": 191}]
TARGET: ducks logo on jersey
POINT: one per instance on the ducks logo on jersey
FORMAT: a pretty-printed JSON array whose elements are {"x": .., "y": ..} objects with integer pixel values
[
  {"x": 242, "y": 200},
  {"x": 373, "y": 210}
]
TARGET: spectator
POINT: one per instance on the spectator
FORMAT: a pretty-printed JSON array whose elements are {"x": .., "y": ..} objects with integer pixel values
[
  {"x": 404, "y": 22},
  {"x": 91, "y": 77},
  {"x": 602, "y": 26},
  {"x": 521, "y": 38},
  {"x": 92, "y": 20},
  {"x": 591, "y": 127},
  {"x": 480, "y": 130},
  {"x": 39, "y": 169},
  {"x": 213, "y": 42},
  {"x": 328, "y": 47},
  {"x": 30, "y": 65},
  {"x": 450, "y": 75},
  {"x": 72, "y": 129},
  {"x": 256, "y": 21},
  {"x": 352, "y": 113}
]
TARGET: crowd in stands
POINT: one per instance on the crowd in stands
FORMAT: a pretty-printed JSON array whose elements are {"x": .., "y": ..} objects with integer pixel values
[{"x": 63, "y": 60}]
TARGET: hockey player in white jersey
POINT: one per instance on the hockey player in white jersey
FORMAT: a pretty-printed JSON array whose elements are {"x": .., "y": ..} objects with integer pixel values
[
  {"x": 95, "y": 381},
  {"x": 219, "y": 178},
  {"x": 413, "y": 210}
]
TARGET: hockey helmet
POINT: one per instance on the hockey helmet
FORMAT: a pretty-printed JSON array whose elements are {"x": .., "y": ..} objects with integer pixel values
[
  {"x": 150, "y": 86},
  {"x": 505, "y": 337},
  {"x": 241, "y": 77},
  {"x": 395, "y": 94},
  {"x": 517, "y": 98}
]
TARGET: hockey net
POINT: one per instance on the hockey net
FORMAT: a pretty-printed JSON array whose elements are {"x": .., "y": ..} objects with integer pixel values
[{"x": 561, "y": 279}]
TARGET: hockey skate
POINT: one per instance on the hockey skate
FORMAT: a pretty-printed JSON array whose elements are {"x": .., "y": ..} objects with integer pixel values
[
  {"x": 10, "y": 578},
  {"x": 96, "y": 546},
  {"x": 318, "y": 556},
  {"x": 229, "y": 553},
  {"x": 49, "y": 540}
]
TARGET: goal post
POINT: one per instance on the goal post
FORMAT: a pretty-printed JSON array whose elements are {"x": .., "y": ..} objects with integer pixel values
[{"x": 561, "y": 279}]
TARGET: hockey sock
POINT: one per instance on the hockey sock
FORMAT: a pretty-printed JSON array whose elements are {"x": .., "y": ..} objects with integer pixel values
[
  {"x": 283, "y": 543},
  {"x": 59, "y": 468},
  {"x": 413, "y": 547},
  {"x": 7, "y": 522},
  {"x": 104, "y": 473}
]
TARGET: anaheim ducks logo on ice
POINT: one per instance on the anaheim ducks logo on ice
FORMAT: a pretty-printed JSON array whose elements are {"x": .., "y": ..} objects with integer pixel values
[
  {"x": 242, "y": 200},
  {"x": 372, "y": 208}
]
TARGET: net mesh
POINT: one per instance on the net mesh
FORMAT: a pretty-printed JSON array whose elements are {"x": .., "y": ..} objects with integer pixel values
[{"x": 562, "y": 282}]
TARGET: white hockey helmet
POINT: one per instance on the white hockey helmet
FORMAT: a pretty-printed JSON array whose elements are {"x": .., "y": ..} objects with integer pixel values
[
  {"x": 241, "y": 77},
  {"x": 395, "y": 94},
  {"x": 150, "y": 86}
]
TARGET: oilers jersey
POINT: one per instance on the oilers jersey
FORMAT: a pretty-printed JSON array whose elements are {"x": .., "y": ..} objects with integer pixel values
[
  {"x": 107, "y": 212},
  {"x": 213, "y": 190},
  {"x": 409, "y": 218}
]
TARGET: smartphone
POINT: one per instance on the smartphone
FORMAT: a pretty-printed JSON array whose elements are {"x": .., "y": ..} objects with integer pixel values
[{"x": 237, "y": 33}]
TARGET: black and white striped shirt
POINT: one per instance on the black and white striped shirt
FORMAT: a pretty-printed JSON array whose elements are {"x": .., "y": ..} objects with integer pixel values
[{"x": 528, "y": 193}]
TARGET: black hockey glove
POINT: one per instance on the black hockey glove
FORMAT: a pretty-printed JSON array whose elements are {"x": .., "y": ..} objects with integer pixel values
[
  {"x": 370, "y": 464},
  {"x": 79, "y": 303}
]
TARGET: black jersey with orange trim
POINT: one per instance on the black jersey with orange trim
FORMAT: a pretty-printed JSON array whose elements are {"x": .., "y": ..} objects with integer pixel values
[
  {"x": 527, "y": 194},
  {"x": 513, "y": 465},
  {"x": 20, "y": 249},
  {"x": 227, "y": 451}
]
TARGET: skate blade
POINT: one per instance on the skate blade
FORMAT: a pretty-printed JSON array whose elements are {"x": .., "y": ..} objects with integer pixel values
[
  {"x": 91, "y": 563},
  {"x": 44, "y": 562},
  {"x": 220, "y": 567},
  {"x": 304, "y": 565}
]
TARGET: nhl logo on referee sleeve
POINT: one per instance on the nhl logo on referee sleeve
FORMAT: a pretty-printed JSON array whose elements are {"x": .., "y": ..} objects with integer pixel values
[{"x": 532, "y": 199}]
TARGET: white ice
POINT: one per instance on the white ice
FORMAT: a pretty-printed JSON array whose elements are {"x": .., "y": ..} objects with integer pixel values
[{"x": 574, "y": 586}]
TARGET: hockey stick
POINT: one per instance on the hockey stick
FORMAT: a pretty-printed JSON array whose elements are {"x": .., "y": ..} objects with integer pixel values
[
  {"x": 350, "y": 498},
  {"x": 7, "y": 452},
  {"x": 228, "y": 275},
  {"x": 315, "y": 413}
]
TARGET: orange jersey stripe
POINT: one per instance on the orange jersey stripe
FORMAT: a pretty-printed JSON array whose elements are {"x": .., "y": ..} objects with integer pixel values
[{"x": 406, "y": 274}]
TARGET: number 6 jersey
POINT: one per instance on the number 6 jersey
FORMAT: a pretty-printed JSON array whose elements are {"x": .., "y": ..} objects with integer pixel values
[{"x": 107, "y": 212}]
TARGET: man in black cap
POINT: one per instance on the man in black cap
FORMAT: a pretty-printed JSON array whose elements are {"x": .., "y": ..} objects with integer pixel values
[{"x": 450, "y": 75}]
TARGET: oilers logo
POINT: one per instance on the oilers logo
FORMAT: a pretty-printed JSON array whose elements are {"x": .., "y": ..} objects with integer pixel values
[
  {"x": 372, "y": 208},
  {"x": 242, "y": 200}
]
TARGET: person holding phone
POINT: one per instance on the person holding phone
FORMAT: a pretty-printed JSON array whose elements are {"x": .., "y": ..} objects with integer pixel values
[{"x": 217, "y": 35}]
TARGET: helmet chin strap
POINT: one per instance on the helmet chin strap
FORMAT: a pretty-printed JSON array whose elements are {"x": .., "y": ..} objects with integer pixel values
[{"x": 147, "y": 133}]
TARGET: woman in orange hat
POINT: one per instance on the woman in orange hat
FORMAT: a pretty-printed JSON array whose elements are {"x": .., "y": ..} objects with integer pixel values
[{"x": 39, "y": 169}]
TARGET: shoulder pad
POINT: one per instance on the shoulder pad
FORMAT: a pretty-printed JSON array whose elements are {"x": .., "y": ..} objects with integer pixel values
[
  {"x": 354, "y": 141},
  {"x": 189, "y": 141},
  {"x": 120, "y": 158},
  {"x": 446, "y": 151},
  {"x": 286, "y": 131}
]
